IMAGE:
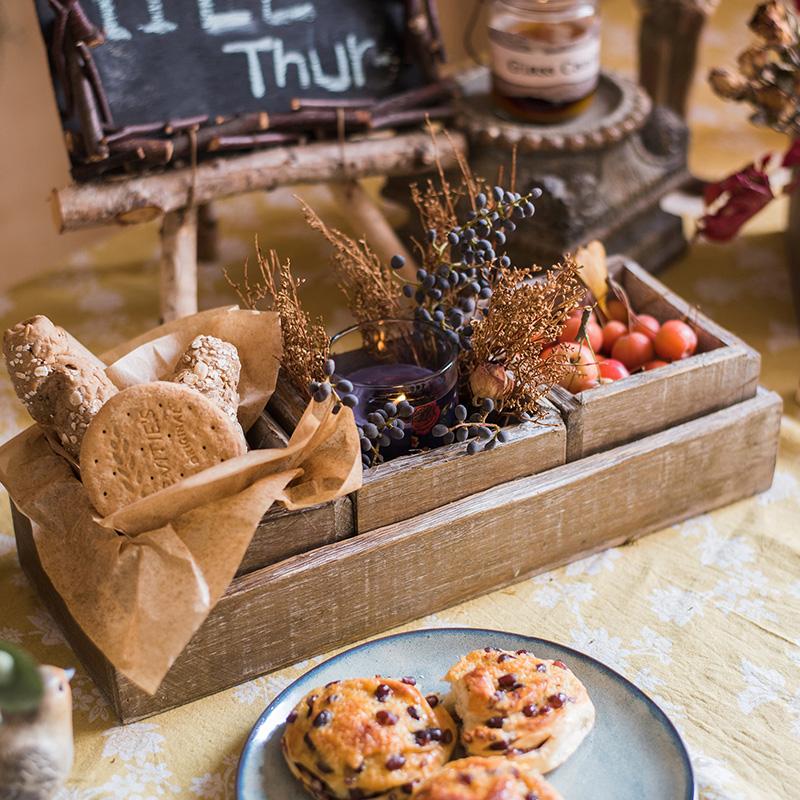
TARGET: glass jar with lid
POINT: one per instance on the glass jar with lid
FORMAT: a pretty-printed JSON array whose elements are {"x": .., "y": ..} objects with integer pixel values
[{"x": 545, "y": 57}]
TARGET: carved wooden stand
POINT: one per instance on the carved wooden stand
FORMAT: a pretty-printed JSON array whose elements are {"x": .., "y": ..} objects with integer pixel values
[{"x": 602, "y": 174}]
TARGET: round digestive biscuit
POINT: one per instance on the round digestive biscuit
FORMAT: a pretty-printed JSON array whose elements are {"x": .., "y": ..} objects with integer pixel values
[
  {"x": 478, "y": 778},
  {"x": 366, "y": 737},
  {"x": 149, "y": 437},
  {"x": 521, "y": 706}
]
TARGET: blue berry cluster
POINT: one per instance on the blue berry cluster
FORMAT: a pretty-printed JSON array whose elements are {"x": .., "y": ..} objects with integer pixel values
[
  {"x": 341, "y": 388},
  {"x": 473, "y": 428},
  {"x": 454, "y": 288},
  {"x": 387, "y": 424}
]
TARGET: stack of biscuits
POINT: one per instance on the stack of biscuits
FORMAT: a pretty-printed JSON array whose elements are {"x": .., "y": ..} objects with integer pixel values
[
  {"x": 131, "y": 443},
  {"x": 516, "y": 716}
]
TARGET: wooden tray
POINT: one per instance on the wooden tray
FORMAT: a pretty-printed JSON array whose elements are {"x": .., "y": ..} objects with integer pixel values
[
  {"x": 399, "y": 489},
  {"x": 724, "y": 372},
  {"x": 350, "y": 589}
]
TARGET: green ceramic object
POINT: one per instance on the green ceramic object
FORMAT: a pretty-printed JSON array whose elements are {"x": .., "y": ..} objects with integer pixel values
[{"x": 21, "y": 685}]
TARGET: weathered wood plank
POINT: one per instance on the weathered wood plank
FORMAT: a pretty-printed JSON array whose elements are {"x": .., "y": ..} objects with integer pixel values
[
  {"x": 282, "y": 534},
  {"x": 336, "y": 594},
  {"x": 266, "y": 433},
  {"x": 142, "y": 197},
  {"x": 616, "y": 413},
  {"x": 414, "y": 484},
  {"x": 286, "y": 405}
]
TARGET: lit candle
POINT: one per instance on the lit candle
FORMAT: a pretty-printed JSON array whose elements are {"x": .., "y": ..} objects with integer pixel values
[{"x": 389, "y": 361}]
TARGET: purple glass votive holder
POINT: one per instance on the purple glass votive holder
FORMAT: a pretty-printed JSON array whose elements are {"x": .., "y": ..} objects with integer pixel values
[{"x": 390, "y": 360}]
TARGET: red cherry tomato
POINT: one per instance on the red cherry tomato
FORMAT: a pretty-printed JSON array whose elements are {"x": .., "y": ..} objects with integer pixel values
[
  {"x": 615, "y": 309},
  {"x": 612, "y": 330},
  {"x": 656, "y": 363},
  {"x": 593, "y": 331},
  {"x": 675, "y": 340},
  {"x": 612, "y": 369},
  {"x": 633, "y": 350},
  {"x": 647, "y": 325}
]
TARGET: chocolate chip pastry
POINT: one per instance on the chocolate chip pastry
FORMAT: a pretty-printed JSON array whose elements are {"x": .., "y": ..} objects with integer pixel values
[
  {"x": 520, "y": 706},
  {"x": 367, "y": 738},
  {"x": 59, "y": 381},
  {"x": 478, "y": 778}
]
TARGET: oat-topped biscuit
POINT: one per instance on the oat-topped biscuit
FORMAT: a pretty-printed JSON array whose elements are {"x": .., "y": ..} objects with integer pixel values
[
  {"x": 59, "y": 381},
  {"x": 521, "y": 706},
  {"x": 480, "y": 778},
  {"x": 366, "y": 737},
  {"x": 212, "y": 367}
]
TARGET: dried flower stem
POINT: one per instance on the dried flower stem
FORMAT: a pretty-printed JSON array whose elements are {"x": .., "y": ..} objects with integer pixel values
[
  {"x": 526, "y": 312},
  {"x": 367, "y": 283},
  {"x": 305, "y": 342}
]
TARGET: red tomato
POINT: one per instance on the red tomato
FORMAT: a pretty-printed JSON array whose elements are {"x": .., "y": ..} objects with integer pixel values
[
  {"x": 675, "y": 340},
  {"x": 616, "y": 310},
  {"x": 613, "y": 369},
  {"x": 612, "y": 330},
  {"x": 584, "y": 372},
  {"x": 593, "y": 331},
  {"x": 633, "y": 350},
  {"x": 655, "y": 364},
  {"x": 647, "y": 325}
]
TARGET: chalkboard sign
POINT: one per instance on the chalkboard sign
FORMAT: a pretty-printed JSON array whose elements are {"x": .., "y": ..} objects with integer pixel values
[{"x": 142, "y": 64}]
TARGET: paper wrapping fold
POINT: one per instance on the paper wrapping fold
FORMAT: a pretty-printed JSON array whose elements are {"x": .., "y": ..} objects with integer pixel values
[{"x": 140, "y": 596}]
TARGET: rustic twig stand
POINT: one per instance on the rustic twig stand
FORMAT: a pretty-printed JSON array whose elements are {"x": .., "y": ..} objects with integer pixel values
[
  {"x": 174, "y": 195},
  {"x": 129, "y": 170}
]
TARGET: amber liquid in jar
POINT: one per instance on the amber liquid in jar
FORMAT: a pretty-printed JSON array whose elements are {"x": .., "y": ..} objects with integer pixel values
[{"x": 545, "y": 58}]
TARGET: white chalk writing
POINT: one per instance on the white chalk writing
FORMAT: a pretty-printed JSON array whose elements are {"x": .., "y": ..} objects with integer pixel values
[
  {"x": 110, "y": 21},
  {"x": 215, "y": 21},
  {"x": 158, "y": 22},
  {"x": 349, "y": 64}
]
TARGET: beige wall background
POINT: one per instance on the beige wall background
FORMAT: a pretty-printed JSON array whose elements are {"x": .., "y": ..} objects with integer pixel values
[{"x": 33, "y": 159}]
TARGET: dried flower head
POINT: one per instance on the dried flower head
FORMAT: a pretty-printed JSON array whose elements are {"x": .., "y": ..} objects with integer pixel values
[
  {"x": 305, "y": 342},
  {"x": 728, "y": 84},
  {"x": 527, "y": 311},
  {"x": 768, "y": 71},
  {"x": 771, "y": 23},
  {"x": 751, "y": 62},
  {"x": 369, "y": 285}
]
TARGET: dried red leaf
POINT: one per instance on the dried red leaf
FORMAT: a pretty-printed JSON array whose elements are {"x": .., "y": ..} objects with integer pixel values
[
  {"x": 791, "y": 157},
  {"x": 748, "y": 191}
]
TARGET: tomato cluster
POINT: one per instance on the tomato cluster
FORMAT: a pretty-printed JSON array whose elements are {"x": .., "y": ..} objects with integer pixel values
[{"x": 619, "y": 347}]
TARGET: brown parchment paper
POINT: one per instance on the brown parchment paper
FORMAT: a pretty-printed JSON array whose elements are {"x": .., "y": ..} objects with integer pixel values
[{"x": 142, "y": 581}]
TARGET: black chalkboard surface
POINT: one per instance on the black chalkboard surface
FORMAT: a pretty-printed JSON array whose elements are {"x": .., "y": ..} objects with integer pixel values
[
  {"x": 167, "y": 59},
  {"x": 145, "y": 84}
]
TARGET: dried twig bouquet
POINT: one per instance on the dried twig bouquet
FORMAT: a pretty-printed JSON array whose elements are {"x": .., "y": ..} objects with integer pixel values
[{"x": 499, "y": 317}]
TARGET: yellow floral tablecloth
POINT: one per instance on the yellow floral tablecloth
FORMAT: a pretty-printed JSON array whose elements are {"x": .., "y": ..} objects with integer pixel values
[{"x": 704, "y": 616}]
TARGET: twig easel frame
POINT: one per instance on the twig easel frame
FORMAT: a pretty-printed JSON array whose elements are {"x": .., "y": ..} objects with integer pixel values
[{"x": 279, "y": 153}]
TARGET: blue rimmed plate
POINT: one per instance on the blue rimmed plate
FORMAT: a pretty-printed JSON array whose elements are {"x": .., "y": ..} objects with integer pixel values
[{"x": 633, "y": 752}]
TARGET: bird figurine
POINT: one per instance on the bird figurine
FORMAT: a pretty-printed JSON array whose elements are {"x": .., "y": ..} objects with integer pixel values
[{"x": 36, "y": 747}]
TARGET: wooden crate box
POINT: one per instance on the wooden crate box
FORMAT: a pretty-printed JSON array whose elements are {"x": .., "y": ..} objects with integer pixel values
[
  {"x": 350, "y": 589},
  {"x": 419, "y": 482},
  {"x": 723, "y": 372},
  {"x": 399, "y": 489}
]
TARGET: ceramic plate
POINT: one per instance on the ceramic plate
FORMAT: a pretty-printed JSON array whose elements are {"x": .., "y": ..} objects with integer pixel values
[{"x": 633, "y": 752}]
